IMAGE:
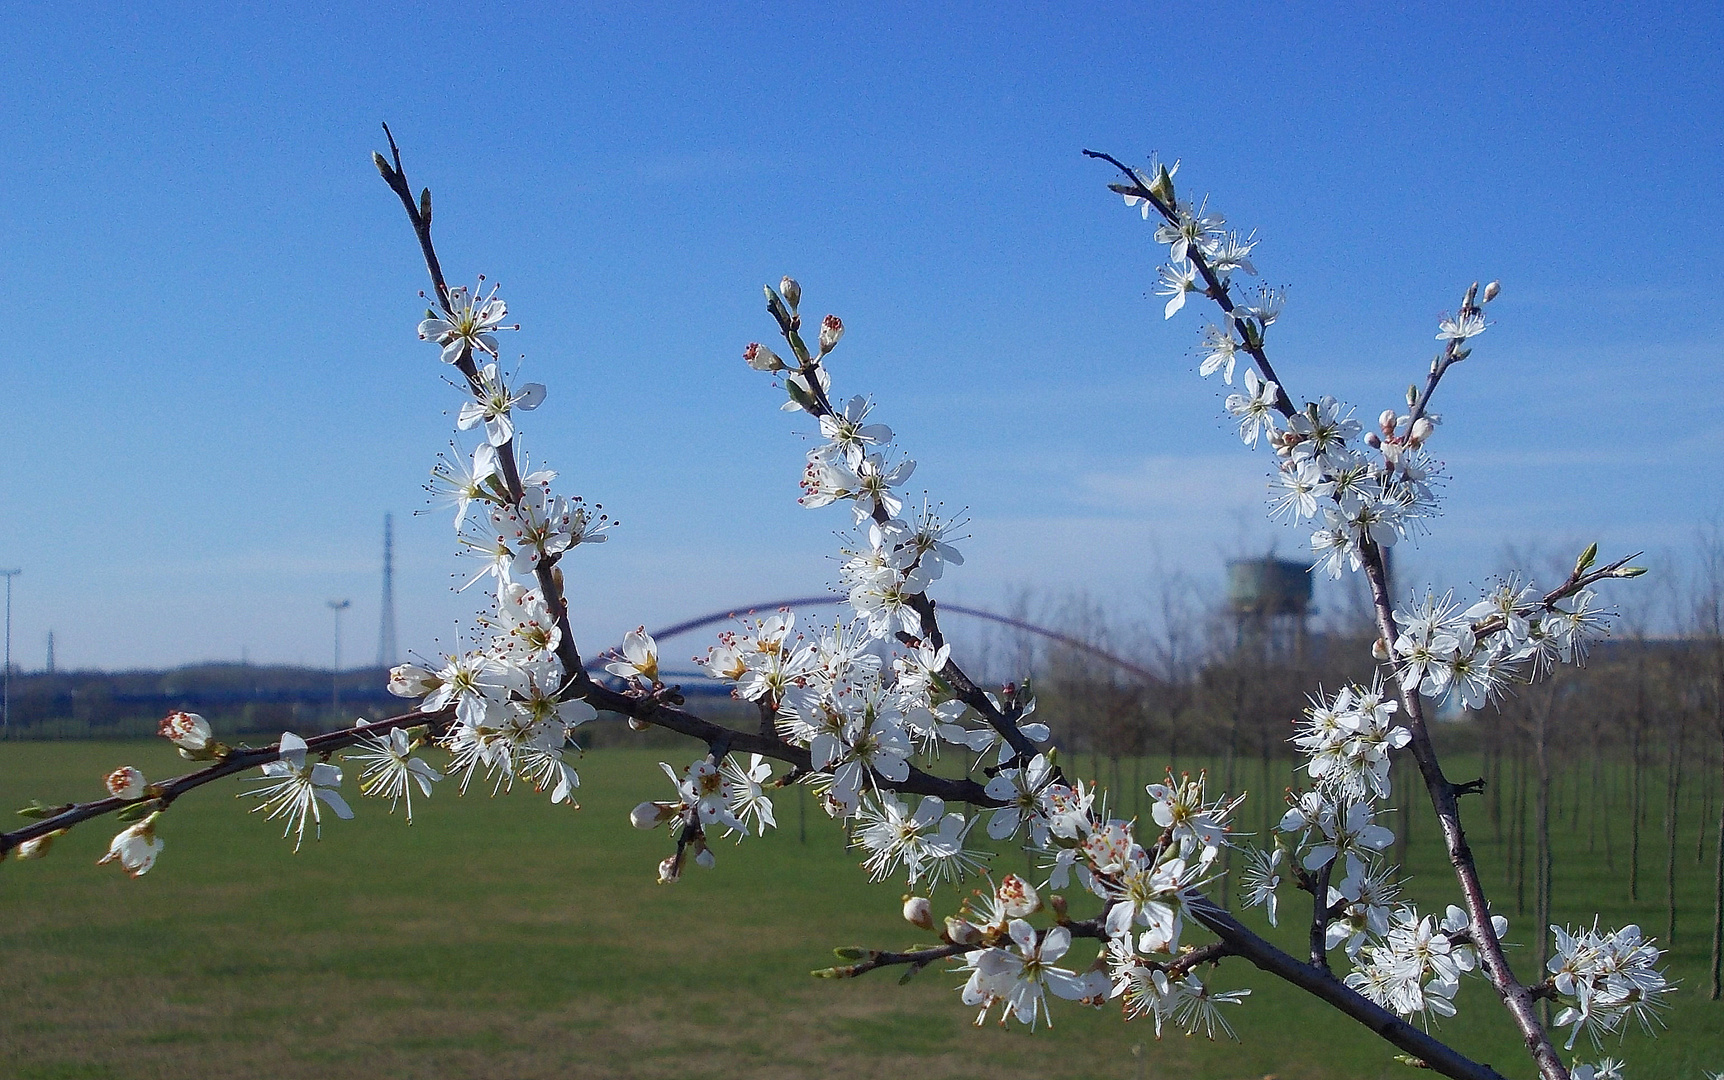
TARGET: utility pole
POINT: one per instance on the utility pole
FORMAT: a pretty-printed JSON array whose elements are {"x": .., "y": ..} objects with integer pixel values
[
  {"x": 337, "y": 606},
  {"x": 6, "y": 692}
]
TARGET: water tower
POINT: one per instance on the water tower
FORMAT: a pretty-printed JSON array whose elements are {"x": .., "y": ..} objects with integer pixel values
[{"x": 1269, "y": 599}]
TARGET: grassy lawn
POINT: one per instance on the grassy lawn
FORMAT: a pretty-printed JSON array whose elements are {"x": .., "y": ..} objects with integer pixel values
[{"x": 509, "y": 938}]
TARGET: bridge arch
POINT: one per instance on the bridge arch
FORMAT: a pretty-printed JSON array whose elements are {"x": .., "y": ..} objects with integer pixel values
[{"x": 713, "y": 619}]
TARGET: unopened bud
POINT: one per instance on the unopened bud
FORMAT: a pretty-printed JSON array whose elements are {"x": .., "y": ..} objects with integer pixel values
[
  {"x": 411, "y": 680},
  {"x": 1422, "y": 428},
  {"x": 1380, "y": 650},
  {"x": 1492, "y": 290},
  {"x": 776, "y": 307},
  {"x": 125, "y": 783},
  {"x": 1412, "y": 394},
  {"x": 704, "y": 858},
  {"x": 919, "y": 912},
  {"x": 188, "y": 731},
  {"x": 1373, "y": 440},
  {"x": 1162, "y": 186},
  {"x": 831, "y": 329},
  {"x": 791, "y": 291},
  {"x": 1058, "y": 904},
  {"x": 962, "y": 931},
  {"x": 1018, "y": 897},
  {"x": 761, "y": 358},
  {"x": 649, "y": 815},
  {"x": 669, "y": 870},
  {"x": 1386, "y": 421},
  {"x": 37, "y": 847},
  {"x": 637, "y": 724}
]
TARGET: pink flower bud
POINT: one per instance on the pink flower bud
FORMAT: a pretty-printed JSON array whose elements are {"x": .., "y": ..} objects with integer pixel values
[
  {"x": 1387, "y": 422},
  {"x": 831, "y": 329},
  {"x": 962, "y": 932},
  {"x": 1373, "y": 440},
  {"x": 1018, "y": 897},
  {"x": 188, "y": 731},
  {"x": 126, "y": 783},
  {"x": 761, "y": 358},
  {"x": 1422, "y": 429},
  {"x": 1492, "y": 290},
  {"x": 1380, "y": 650},
  {"x": 919, "y": 912},
  {"x": 791, "y": 291}
]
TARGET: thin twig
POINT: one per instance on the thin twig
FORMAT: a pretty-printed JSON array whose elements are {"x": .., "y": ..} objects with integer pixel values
[{"x": 1215, "y": 288}]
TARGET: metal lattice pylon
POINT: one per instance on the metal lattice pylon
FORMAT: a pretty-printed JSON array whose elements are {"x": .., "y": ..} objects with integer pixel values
[{"x": 387, "y": 652}]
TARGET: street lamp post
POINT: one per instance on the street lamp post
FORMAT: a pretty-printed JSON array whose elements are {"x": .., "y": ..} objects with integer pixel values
[
  {"x": 6, "y": 679},
  {"x": 337, "y": 606}
]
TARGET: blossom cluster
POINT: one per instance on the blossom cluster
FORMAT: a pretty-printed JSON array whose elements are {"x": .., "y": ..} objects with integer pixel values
[
  {"x": 1146, "y": 897},
  {"x": 513, "y": 713},
  {"x": 726, "y": 794},
  {"x": 862, "y": 710},
  {"x": 1440, "y": 650},
  {"x": 1602, "y": 979}
]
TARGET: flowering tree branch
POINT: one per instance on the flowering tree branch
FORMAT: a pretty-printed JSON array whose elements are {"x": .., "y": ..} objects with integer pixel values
[
  {"x": 847, "y": 711},
  {"x": 231, "y": 762},
  {"x": 1369, "y": 503},
  {"x": 1448, "y": 809},
  {"x": 1157, "y": 194}
]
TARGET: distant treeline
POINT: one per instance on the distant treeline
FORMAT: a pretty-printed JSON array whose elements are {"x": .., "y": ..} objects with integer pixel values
[{"x": 238, "y": 699}]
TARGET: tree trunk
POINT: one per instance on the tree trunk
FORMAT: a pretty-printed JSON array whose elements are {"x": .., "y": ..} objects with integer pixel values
[
  {"x": 1672, "y": 791},
  {"x": 1597, "y": 792},
  {"x": 1494, "y": 782},
  {"x": 1635, "y": 804},
  {"x": 1541, "y": 902},
  {"x": 1718, "y": 905},
  {"x": 1705, "y": 812},
  {"x": 1520, "y": 817}
]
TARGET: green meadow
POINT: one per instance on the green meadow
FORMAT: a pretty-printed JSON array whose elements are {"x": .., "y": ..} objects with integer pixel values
[{"x": 507, "y": 938}]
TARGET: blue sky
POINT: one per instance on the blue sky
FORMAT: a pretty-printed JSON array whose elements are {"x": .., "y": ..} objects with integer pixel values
[{"x": 212, "y": 389}]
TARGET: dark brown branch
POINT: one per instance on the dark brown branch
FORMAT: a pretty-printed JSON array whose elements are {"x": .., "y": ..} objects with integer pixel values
[
  {"x": 720, "y": 739},
  {"x": 683, "y": 722},
  {"x": 1453, "y": 353},
  {"x": 1320, "y": 915},
  {"x": 1241, "y": 942},
  {"x": 875, "y": 959},
  {"x": 1237, "y": 940},
  {"x": 1515, "y": 996},
  {"x": 1577, "y": 580},
  {"x": 239, "y": 760}
]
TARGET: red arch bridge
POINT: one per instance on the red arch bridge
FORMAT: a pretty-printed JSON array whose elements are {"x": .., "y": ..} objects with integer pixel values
[{"x": 690, "y": 625}]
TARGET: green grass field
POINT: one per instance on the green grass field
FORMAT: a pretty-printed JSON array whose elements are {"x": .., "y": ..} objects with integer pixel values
[{"x": 508, "y": 938}]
